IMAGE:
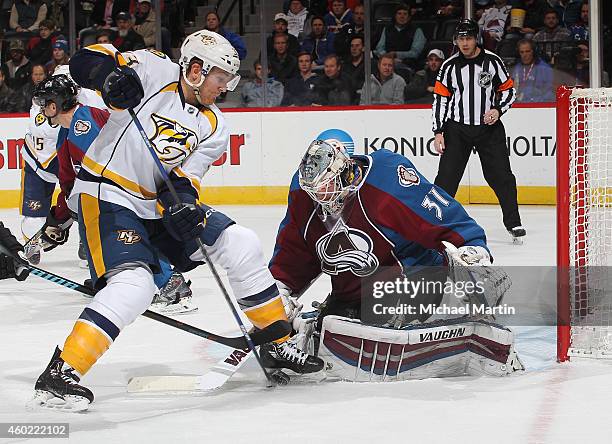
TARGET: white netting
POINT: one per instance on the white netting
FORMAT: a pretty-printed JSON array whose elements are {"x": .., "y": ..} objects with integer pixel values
[{"x": 590, "y": 222}]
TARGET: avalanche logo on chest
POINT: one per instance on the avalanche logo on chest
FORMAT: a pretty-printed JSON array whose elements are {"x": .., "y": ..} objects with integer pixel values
[
  {"x": 346, "y": 249},
  {"x": 172, "y": 141}
]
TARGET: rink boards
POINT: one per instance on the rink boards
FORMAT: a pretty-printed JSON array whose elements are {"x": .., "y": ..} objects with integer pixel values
[{"x": 266, "y": 146}]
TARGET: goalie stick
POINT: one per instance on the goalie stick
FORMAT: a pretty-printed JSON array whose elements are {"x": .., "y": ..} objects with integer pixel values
[{"x": 274, "y": 331}]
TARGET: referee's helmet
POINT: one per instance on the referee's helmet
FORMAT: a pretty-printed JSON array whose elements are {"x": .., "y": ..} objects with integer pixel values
[{"x": 466, "y": 28}]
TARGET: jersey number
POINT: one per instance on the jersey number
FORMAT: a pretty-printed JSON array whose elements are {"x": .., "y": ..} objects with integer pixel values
[
  {"x": 39, "y": 143},
  {"x": 432, "y": 205}
]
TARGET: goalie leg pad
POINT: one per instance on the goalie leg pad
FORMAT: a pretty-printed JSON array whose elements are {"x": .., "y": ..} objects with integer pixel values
[{"x": 356, "y": 352}]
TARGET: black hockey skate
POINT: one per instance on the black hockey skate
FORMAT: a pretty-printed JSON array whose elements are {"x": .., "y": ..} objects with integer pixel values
[
  {"x": 287, "y": 355},
  {"x": 517, "y": 234},
  {"x": 175, "y": 297},
  {"x": 58, "y": 389}
]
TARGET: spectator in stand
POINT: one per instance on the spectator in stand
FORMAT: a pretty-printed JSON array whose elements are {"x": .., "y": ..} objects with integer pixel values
[
  {"x": 551, "y": 35},
  {"x": 280, "y": 27},
  {"x": 353, "y": 67},
  {"x": 252, "y": 94},
  {"x": 126, "y": 39},
  {"x": 401, "y": 40},
  {"x": 421, "y": 86},
  {"x": 580, "y": 31},
  {"x": 17, "y": 68},
  {"x": 386, "y": 87},
  {"x": 534, "y": 19},
  {"x": 144, "y": 24},
  {"x": 40, "y": 48},
  {"x": 27, "y": 92},
  {"x": 568, "y": 11},
  {"x": 106, "y": 11},
  {"x": 9, "y": 99},
  {"x": 448, "y": 9},
  {"x": 297, "y": 18},
  {"x": 493, "y": 23},
  {"x": 338, "y": 17},
  {"x": 26, "y": 15},
  {"x": 300, "y": 90},
  {"x": 333, "y": 89},
  {"x": 282, "y": 65},
  {"x": 342, "y": 40},
  {"x": 320, "y": 42},
  {"x": 213, "y": 23},
  {"x": 533, "y": 78},
  {"x": 480, "y": 7},
  {"x": 104, "y": 36},
  {"x": 59, "y": 57}
]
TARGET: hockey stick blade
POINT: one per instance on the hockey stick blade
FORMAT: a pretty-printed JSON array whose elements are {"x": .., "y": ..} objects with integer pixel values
[
  {"x": 217, "y": 376},
  {"x": 213, "y": 379}
]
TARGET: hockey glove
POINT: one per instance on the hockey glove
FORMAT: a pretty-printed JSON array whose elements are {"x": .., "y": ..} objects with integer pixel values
[
  {"x": 122, "y": 88},
  {"x": 7, "y": 264},
  {"x": 184, "y": 222},
  {"x": 54, "y": 232}
]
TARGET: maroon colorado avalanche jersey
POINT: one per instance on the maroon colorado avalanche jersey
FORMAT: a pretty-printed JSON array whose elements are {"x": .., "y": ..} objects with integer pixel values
[{"x": 395, "y": 219}]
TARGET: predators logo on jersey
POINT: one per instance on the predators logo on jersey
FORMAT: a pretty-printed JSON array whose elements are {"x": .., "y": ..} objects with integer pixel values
[
  {"x": 172, "y": 141},
  {"x": 40, "y": 119}
]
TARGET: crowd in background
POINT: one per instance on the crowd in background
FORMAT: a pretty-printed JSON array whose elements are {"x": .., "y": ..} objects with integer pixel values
[{"x": 316, "y": 48}]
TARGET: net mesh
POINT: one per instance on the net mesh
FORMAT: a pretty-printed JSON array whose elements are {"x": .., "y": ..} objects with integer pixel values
[{"x": 590, "y": 222}]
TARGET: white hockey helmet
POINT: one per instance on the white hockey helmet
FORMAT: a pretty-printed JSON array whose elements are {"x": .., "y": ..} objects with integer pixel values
[{"x": 214, "y": 50}]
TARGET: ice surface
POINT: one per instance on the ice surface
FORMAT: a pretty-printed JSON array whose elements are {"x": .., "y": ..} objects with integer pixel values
[{"x": 549, "y": 403}]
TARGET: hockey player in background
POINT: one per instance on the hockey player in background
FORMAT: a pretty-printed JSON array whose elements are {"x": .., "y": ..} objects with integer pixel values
[
  {"x": 40, "y": 169},
  {"x": 80, "y": 125},
  {"x": 364, "y": 218},
  {"x": 126, "y": 213}
]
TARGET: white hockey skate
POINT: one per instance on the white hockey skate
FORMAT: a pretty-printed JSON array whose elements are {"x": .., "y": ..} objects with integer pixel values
[
  {"x": 175, "y": 298},
  {"x": 517, "y": 234}
]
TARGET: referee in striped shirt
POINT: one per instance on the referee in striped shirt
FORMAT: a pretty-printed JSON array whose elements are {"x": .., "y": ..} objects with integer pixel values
[{"x": 472, "y": 91}]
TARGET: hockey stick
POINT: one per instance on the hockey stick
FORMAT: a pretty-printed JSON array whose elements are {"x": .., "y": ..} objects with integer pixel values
[
  {"x": 274, "y": 331},
  {"x": 213, "y": 379},
  {"x": 211, "y": 266}
]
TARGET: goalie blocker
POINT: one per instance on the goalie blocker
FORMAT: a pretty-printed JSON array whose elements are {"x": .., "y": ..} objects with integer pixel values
[{"x": 361, "y": 353}]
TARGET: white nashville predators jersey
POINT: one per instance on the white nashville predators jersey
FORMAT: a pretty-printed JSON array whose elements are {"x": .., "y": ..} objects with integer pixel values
[
  {"x": 187, "y": 139},
  {"x": 41, "y": 138}
]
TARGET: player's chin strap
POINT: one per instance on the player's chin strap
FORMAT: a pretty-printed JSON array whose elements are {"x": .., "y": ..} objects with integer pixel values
[{"x": 196, "y": 86}]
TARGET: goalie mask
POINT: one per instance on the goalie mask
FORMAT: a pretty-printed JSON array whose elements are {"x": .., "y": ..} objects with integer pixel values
[
  {"x": 213, "y": 50},
  {"x": 327, "y": 175}
]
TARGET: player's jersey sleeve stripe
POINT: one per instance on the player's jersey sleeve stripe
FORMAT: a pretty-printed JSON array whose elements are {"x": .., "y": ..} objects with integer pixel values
[
  {"x": 46, "y": 163},
  {"x": 118, "y": 179},
  {"x": 195, "y": 183}
]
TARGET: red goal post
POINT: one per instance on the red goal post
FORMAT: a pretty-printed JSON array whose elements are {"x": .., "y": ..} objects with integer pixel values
[{"x": 584, "y": 222}]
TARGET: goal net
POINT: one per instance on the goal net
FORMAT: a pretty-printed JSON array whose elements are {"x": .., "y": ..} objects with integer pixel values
[{"x": 584, "y": 222}]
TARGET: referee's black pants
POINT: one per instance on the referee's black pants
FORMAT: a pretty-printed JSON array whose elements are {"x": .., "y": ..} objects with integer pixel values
[{"x": 490, "y": 144}]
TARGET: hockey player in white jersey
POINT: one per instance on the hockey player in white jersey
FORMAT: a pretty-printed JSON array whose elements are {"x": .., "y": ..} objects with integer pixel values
[{"x": 126, "y": 213}]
